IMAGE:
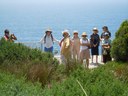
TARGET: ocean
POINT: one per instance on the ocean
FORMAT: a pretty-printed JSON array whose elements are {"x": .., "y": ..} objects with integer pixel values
[{"x": 30, "y": 25}]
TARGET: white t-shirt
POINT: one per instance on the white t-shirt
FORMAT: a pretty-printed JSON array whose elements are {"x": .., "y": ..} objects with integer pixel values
[
  {"x": 83, "y": 42},
  {"x": 48, "y": 42}
]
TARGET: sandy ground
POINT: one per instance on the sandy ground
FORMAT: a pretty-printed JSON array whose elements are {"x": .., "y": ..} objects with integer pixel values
[{"x": 91, "y": 65}]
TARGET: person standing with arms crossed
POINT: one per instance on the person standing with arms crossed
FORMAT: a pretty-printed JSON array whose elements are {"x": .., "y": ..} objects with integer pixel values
[
  {"x": 95, "y": 40},
  {"x": 84, "y": 49},
  {"x": 75, "y": 45}
]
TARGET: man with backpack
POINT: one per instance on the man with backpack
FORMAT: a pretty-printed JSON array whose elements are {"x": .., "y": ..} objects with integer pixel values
[{"x": 48, "y": 41}]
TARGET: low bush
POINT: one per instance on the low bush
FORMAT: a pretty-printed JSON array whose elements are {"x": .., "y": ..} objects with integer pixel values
[
  {"x": 23, "y": 61},
  {"x": 96, "y": 82},
  {"x": 18, "y": 52},
  {"x": 11, "y": 86}
]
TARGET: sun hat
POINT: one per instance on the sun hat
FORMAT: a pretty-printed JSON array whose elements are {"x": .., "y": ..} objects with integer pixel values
[
  {"x": 65, "y": 32},
  {"x": 75, "y": 32},
  {"x": 84, "y": 34},
  {"x": 48, "y": 30},
  {"x": 106, "y": 34},
  {"x": 95, "y": 29}
]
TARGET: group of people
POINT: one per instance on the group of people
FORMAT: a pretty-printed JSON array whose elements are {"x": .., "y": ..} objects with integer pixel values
[
  {"x": 76, "y": 48},
  {"x": 79, "y": 48}
]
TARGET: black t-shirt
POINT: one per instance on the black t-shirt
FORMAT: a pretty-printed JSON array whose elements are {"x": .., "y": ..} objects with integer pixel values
[{"x": 95, "y": 39}]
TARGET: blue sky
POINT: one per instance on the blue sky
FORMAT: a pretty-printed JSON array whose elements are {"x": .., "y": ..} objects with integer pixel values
[{"x": 63, "y": 3}]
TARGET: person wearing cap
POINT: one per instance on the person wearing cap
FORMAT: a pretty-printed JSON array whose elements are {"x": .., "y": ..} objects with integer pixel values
[
  {"x": 106, "y": 45},
  {"x": 75, "y": 45},
  {"x": 65, "y": 47},
  {"x": 6, "y": 35},
  {"x": 84, "y": 50},
  {"x": 95, "y": 40},
  {"x": 48, "y": 41}
]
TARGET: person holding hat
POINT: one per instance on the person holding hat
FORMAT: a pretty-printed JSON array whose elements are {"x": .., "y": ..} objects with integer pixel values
[
  {"x": 106, "y": 45},
  {"x": 65, "y": 47},
  {"x": 6, "y": 35},
  {"x": 48, "y": 41},
  {"x": 95, "y": 40},
  {"x": 75, "y": 45},
  {"x": 105, "y": 30},
  {"x": 84, "y": 50}
]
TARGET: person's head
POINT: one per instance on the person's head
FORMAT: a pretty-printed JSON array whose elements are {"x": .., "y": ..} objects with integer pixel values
[
  {"x": 75, "y": 33},
  {"x": 48, "y": 32},
  {"x": 95, "y": 30},
  {"x": 105, "y": 28},
  {"x": 6, "y": 32},
  {"x": 65, "y": 33},
  {"x": 84, "y": 35},
  {"x": 106, "y": 36}
]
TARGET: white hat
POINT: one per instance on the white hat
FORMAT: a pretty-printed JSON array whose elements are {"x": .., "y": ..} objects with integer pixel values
[
  {"x": 84, "y": 34},
  {"x": 48, "y": 30},
  {"x": 106, "y": 34},
  {"x": 75, "y": 31},
  {"x": 65, "y": 31},
  {"x": 95, "y": 29}
]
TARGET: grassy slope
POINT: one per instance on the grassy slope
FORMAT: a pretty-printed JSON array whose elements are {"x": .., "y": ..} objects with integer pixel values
[
  {"x": 108, "y": 80},
  {"x": 104, "y": 81},
  {"x": 11, "y": 86}
]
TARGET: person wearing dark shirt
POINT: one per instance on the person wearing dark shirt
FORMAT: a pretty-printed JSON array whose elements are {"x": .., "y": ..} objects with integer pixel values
[
  {"x": 105, "y": 30},
  {"x": 95, "y": 40},
  {"x": 102, "y": 37}
]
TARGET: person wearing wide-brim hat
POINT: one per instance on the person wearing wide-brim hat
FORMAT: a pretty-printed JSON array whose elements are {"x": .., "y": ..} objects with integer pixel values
[
  {"x": 65, "y": 47},
  {"x": 48, "y": 30},
  {"x": 106, "y": 45},
  {"x": 48, "y": 41},
  {"x": 95, "y": 40},
  {"x": 84, "y": 49},
  {"x": 75, "y": 45}
]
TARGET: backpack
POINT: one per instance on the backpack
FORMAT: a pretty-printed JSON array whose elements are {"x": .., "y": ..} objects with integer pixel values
[{"x": 46, "y": 36}]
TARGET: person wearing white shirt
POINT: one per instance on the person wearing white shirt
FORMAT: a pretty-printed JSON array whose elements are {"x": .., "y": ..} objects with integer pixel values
[
  {"x": 48, "y": 41},
  {"x": 84, "y": 49}
]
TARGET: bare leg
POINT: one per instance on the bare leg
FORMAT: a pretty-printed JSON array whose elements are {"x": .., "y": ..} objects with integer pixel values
[
  {"x": 92, "y": 58},
  {"x": 97, "y": 59},
  {"x": 87, "y": 63}
]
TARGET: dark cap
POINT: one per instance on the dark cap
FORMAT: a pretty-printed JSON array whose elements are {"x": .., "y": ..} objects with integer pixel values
[
  {"x": 6, "y": 31},
  {"x": 105, "y": 27}
]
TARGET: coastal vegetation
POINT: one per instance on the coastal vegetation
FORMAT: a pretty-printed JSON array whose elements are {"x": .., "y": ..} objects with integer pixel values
[
  {"x": 120, "y": 43},
  {"x": 31, "y": 72}
]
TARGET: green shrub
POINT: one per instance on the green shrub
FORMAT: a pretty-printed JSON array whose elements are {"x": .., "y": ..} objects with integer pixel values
[
  {"x": 23, "y": 61},
  {"x": 19, "y": 52},
  {"x": 11, "y": 86},
  {"x": 120, "y": 43},
  {"x": 96, "y": 82}
]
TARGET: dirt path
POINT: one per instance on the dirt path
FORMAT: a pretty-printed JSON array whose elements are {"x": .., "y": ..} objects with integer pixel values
[{"x": 91, "y": 65}]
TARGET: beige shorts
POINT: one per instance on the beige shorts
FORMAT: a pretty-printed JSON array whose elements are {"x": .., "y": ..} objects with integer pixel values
[{"x": 85, "y": 54}]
